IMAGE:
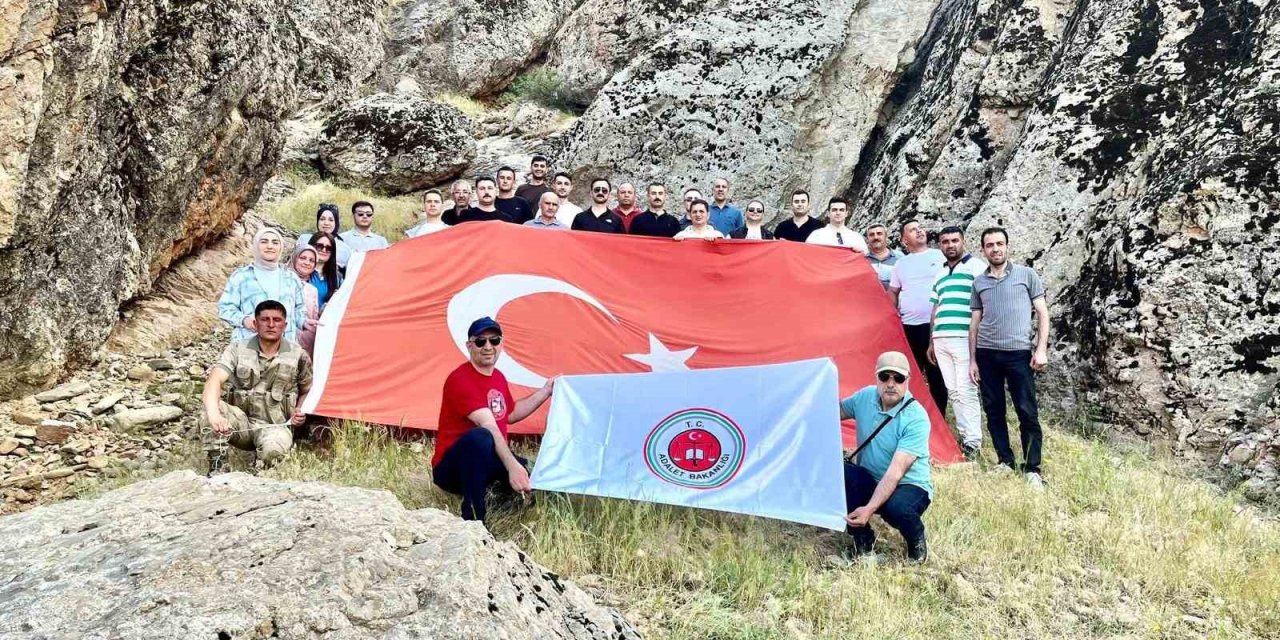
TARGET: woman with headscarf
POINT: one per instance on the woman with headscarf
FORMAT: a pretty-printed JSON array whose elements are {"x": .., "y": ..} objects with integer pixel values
[
  {"x": 754, "y": 228},
  {"x": 303, "y": 264},
  {"x": 326, "y": 278},
  {"x": 265, "y": 279},
  {"x": 328, "y": 221}
]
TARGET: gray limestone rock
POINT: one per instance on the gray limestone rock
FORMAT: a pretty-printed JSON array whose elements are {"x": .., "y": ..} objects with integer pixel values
[
  {"x": 397, "y": 143},
  {"x": 188, "y": 557},
  {"x": 132, "y": 134},
  {"x": 774, "y": 96}
]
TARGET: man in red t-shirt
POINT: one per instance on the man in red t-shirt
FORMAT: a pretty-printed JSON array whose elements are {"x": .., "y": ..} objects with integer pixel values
[{"x": 476, "y": 407}]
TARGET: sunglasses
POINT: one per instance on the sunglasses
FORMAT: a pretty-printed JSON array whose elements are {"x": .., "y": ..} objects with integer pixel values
[
  {"x": 368, "y": 214},
  {"x": 755, "y": 210},
  {"x": 600, "y": 190},
  {"x": 884, "y": 376},
  {"x": 323, "y": 247},
  {"x": 493, "y": 340}
]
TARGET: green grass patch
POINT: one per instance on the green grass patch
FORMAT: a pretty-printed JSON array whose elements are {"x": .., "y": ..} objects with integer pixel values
[
  {"x": 1117, "y": 546},
  {"x": 544, "y": 86},
  {"x": 392, "y": 215}
]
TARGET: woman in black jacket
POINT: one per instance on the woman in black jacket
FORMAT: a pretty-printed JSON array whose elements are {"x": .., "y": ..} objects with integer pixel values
[{"x": 754, "y": 228}]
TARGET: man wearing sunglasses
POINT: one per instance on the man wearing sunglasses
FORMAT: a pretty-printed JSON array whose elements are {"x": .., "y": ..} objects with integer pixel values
[
  {"x": 891, "y": 474},
  {"x": 362, "y": 237},
  {"x": 599, "y": 217},
  {"x": 475, "y": 410}
]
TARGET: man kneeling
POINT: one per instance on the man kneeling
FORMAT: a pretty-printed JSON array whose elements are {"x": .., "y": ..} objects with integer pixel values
[
  {"x": 267, "y": 374},
  {"x": 476, "y": 407},
  {"x": 892, "y": 475}
]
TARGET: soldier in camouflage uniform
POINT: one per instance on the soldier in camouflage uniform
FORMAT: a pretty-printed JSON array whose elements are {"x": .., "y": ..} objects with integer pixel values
[{"x": 268, "y": 376}]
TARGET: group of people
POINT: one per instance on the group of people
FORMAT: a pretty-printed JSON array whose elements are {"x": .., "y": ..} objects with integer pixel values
[{"x": 967, "y": 319}]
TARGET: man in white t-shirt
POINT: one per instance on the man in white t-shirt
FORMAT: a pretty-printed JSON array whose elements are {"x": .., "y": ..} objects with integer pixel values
[
  {"x": 910, "y": 287},
  {"x": 835, "y": 234},
  {"x": 563, "y": 186},
  {"x": 433, "y": 210},
  {"x": 699, "y": 223}
]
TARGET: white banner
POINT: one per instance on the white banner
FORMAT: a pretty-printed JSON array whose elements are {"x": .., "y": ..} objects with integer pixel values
[{"x": 760, "y": 440}]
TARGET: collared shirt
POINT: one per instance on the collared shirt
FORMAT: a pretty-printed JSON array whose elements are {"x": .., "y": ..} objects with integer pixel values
[
  {"x": 659, "y": 225},
  {"x": 838, "y": 237},
  {"x": 626, "y": 218},
  {"x": 708, "y": 233},
  {"x": 913, "y": 277},
  {"x": 884, "y": 268},
  {"x": 727, "y": 218},
  {"x": 364, "y": 242},
  {"x": 426, "y": 228},
  {"x": 537, "y": 223},
  {"x": 244, "y": 291},
  {"x": 516, "y": 208},
  {"x": 908, "y": 431},
  {"x": 789, "y": 230},
  {"x": 265, "y": 387},
  {"x": 606, "y": 222},
  {"x": 951, "y": 297},
  {"x": 1006, "y": 306}
]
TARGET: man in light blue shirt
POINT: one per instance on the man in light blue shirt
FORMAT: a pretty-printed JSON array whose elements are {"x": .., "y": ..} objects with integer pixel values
[
  {"x": 725, "y": 216},
  {"x": 548, "y": 207},
  {"x": 892, "y": 475}
]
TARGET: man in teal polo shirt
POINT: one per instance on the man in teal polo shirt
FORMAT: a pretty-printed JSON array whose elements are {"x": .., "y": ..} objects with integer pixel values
[{"x": 891, "y": 476}]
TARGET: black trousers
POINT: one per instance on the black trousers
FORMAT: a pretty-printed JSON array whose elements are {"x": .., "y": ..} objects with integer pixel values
[
  {"x": 1013, "y": 368},
  {"x": 469, "y": 468},
  {"x": 902, "y": 511},
  {"x": 918, "y": 336}
]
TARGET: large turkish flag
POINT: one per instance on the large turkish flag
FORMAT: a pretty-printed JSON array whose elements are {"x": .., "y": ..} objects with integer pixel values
[{"x": 576, "y": 302}]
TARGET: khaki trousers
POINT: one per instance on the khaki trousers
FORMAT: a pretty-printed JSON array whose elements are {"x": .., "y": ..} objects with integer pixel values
[{"x": 269, "y": 443}]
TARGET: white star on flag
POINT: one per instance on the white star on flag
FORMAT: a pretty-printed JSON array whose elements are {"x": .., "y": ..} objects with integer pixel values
[{"x": 660, "y": 358}]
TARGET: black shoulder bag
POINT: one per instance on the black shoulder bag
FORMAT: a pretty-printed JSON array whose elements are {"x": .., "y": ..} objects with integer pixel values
[{"x": 854, "y": 456}]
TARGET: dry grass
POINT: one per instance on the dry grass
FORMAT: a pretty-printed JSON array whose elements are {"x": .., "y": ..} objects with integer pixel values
[
  {"x": 1118, "y": 546},
  {"x": 470, "y": 106},
  {"x": 392, "y": 215}
]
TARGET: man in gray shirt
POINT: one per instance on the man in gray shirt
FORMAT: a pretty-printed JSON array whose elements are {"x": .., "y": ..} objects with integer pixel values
[
  {"x": 362, "y": 237},
  {"x": 1002, "y": 349}
]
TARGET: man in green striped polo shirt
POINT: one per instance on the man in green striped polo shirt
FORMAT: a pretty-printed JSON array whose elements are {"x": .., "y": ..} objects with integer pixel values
[{"x": 949, "y": 348}]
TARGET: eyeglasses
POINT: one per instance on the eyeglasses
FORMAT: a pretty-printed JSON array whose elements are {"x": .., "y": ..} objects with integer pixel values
[
  {"x": 600, "y": 190},
  {"x": 884, "y": 376},
  {"x": 493, "y": 340},
  {"x": 755, "y": 210},
  {"x": 324, "y": 247}
]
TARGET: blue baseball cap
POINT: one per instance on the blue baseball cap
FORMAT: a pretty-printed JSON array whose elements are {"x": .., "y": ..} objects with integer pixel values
[{"x": 482, "y": 325}]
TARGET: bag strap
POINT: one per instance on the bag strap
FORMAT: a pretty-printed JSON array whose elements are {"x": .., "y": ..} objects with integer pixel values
[{"x": 853, "y": 456}]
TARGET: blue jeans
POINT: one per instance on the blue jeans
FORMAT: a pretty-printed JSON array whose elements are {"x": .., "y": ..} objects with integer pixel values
[
  {"x": 902, "y": 511},
  {"x": 996, "y": 369},
  {"x": 469, "y": 468}
]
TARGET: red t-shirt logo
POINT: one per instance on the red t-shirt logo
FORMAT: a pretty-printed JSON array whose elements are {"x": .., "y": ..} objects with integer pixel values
[{"x": 497, "y": 404}]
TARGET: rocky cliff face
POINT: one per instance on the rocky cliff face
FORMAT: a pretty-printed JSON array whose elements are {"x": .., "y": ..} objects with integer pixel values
[
  {"x": 131, "y": 134},
  {"x": 241, "y": 557},
  {"x": 1132, "y": 148}
]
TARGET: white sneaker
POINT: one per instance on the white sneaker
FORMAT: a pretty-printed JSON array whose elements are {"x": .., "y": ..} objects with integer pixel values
[{"x": 1035, "y": 481}]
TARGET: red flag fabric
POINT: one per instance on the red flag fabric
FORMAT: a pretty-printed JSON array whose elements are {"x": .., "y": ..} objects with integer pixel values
[{"x": 578, "y": 302}]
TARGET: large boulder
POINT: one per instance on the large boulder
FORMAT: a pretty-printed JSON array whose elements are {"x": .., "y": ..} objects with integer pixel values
[
  {"x": 774, "y": 96},
  {"x": 601, "y": 37},
  {"x": 131, "y": 135},
  {"x": 472, "y": 48},
  {"x": 1132, "y": 148},
  {"x": 183, "y": 556},
  {"x": 396, "y": 143}
]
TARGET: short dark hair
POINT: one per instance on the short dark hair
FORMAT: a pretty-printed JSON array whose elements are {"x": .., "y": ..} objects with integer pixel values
[
  {"x": 542, "y": 159},
  {"x": 699, "y": 201},
  {"x": 903, "y": 227},
  {"x": 270, "y": 305},
  {"x": 799, "y": 192},
  {"x": 505, "y": 168},
  {"x": 656, "y": 184},
  {"x": 480, "y": 179},
  {"x": 435, "y": 192},
  {"x": 994, "y": 230},
  {"x": 837, "y": 200},
  {"x": 950, "y": 229},
  {"x": 361, "y": 203},
  {"x": 604, "y": 180},
  {"x": 565, "y": 175}
]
